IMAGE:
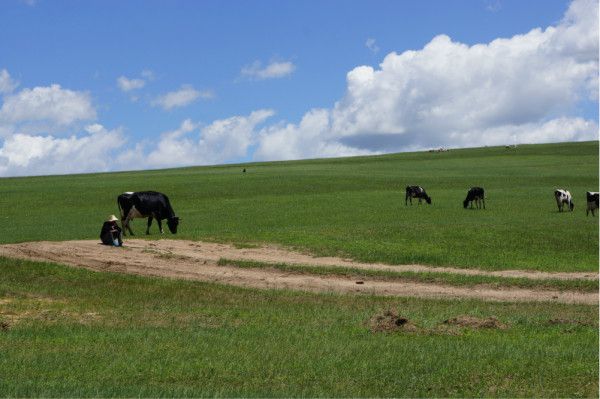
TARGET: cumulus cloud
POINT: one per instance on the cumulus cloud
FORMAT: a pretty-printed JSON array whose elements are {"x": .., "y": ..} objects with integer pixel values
[
  {"x": 126, "y": 84},
  {"x": 180, "y": 98},
  {"x": 7, "y": 85},
  {"x": 271, "y": 71},
  {"x": 25, "y": 154},
  {"x": 221, "y": 141},
  {"x": 49, "y": 108},
  {"x": 32, "y": 122},
  {"x": 455, "y": 95}
]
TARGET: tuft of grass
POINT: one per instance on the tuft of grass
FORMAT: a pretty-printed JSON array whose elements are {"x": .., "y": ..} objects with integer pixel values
[
  {"x": 422, "y": 277},
  {"x": 158, "y": 337}
]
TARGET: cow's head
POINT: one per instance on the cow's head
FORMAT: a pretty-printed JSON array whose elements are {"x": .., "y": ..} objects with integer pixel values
[
  {"x": 428, "y": 199},
  {"x": 173, "y": 222},
  {"x": 465, "y": 203},
  {"x": 571, "y": 205}
]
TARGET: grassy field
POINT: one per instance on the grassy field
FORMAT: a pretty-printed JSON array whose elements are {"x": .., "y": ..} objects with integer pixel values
[
  {"x": 85, "y": 334},
  {"x": 350, "y": 206},
  {"x": 66, "y": 332}
]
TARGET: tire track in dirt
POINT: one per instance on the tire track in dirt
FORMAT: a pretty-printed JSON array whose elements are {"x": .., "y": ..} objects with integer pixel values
[{"x": 198, "y": 261}]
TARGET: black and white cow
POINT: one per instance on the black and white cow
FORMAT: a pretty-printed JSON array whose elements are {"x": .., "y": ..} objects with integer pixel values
[
  {"x": 475, "y": 194},
  {"x": 146, "y": 204},
  {"x": 592, "y": 202},
  {"x": 563, "y": 197},
  {"x": 416, "y": 192}
]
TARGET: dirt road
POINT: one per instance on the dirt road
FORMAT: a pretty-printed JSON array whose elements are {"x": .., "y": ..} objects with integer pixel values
[{"x": 198, "y": 261}]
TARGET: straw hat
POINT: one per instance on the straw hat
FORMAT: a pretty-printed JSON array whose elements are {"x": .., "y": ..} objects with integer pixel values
[{"x": 112, "y": 218}]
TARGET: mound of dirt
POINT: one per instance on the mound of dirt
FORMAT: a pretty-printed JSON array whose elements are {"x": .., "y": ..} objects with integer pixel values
[
  {"x": 390, "y": 321},
  {"x": 475, "y": 322}
]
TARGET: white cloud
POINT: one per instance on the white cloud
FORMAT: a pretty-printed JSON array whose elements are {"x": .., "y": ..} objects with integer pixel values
[
  {"x": 271, "y": 71},
  {"x": 311, "y": 138},
  {"x": 47, "y": 108},
  {"x": 7, "y": 85},
  {"x": 372, "y": 45},
  {"x": 182, "y": 97},
  {"x": 126, "y": 84},
  {"x": 455, "y": 95},
  {"x": 221, "y": 141},
  {"x": 24, "y": 154}
]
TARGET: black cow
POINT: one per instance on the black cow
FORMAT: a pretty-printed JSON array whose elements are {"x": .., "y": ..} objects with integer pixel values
[
  {"x": 592, "y": 202},
  {"x": 475, "y": 194},
  {"x": 416, "y": 192},
  {"x": 146, "y": 204}
]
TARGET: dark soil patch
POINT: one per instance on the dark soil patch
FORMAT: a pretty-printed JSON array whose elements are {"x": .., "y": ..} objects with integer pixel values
[
  {"x": 390, "y": 321},
  {"x": 476, "y": 323}
]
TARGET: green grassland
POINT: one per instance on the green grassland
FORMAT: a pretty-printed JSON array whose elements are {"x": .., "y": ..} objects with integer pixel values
[
  {"x": 66, "y": 332},
  {"x": 89, "y": 334},
  {"x": 349, "y": 206}
]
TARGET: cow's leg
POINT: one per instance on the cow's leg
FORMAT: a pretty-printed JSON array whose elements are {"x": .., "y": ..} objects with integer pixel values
[
  {"x": 160, "y": 226},
  {"x": 149, "y": 224},
  {"x": 483, "y": 200},
  {"x": 406, "y": 200},
  {"x": 126, "y": 225}
]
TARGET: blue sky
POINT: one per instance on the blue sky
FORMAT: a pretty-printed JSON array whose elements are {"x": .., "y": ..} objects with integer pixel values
[{"x": 100, "y": 86}]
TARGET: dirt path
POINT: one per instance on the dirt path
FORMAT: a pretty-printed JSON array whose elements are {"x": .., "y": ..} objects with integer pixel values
[{"x": 198, "y": 261}]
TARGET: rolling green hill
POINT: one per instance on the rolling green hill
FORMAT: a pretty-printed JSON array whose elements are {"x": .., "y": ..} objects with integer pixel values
[
  {"x": 69, "y": 332},
  {"x": 348, "y": 206}
]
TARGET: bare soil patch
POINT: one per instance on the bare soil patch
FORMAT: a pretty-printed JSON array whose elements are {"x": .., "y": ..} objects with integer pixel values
[
  {"x": 390, "y": 321},
  {"x": 198, "y": 261}
]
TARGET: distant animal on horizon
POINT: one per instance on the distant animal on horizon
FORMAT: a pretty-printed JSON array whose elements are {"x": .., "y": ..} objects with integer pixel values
[
  {"x": 476, "y": 194},
  {"x": 563, "y": 197},
  {"x": 146, "y": 204},
  {"x": 592, "y": 202},
  {"x": 416, "y": 192}
]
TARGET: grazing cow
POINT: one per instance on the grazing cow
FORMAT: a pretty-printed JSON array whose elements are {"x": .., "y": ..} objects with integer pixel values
[
  {"x": 416, "y": 192},
  {"x": 592, "y": 202},
  {"x": 563, "y": 197},
  {"x": 475, "y": 194},
  {"x": 146, "y": 204}
]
